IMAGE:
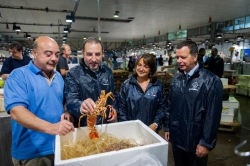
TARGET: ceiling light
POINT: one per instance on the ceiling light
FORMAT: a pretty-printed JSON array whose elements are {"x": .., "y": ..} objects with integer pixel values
[
  {"x": 84, "y": 38},
  {"x": 219, "y": 36},
  {"x": 169, "y": 42},
  {"x": 66, "y": 30},
  {"x": 70, "y": 18},
  {"x": 240, "y": 37},
  {"x": 65, "y": 36},
  {"x": 16, "y": 28},
  {"x": 28, "y": 36},
  {"x": 116, "y": 14},
  {"x": 226, "y": 40},
  {"x": 234, "y": 43}
]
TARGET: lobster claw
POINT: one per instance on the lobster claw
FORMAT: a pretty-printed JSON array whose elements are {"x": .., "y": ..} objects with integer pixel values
[{"x": 111, "y": 112}]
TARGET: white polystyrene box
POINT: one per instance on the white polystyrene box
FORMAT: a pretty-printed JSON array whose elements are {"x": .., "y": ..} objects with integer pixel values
[
  {"x": 228, "y": 111},
  {"x": 224, "y": 81},
  {"x": 154, "y": 145},
  {"x": 227, "y": 118},
  {"x": 231, "y": 103}
]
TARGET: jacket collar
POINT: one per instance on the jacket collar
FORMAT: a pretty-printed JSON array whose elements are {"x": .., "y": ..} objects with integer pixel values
[
  {"x": 196, "y": 71},
  {"x": 133, "y": 80},
  {"x": 87, "y": 69}
]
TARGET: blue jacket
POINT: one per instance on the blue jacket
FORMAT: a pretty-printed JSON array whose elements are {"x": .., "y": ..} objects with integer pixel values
[
  {"x": 195, "y": 110},
  {"x": 149, "y": 106},
  {"x": 82, "y": 83}
]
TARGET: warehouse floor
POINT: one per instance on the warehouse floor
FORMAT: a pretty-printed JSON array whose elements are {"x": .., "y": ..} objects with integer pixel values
[{"x": 223, "y": 154}]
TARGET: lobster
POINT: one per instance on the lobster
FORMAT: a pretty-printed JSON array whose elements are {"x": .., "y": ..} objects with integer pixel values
[{"x": 100, "y": 109}]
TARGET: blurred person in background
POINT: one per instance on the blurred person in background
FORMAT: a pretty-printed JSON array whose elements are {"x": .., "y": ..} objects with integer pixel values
[
  {"x": 142, "y": 95},
  {"x": 245, "y": 57},
  {"x": 62, "y": 65},
  {"x": 202, "y": 53},
  {"x": 215, "y": 63},
  {"x": 160, "y": 60},
  {"x": 16, "y": 59},
  {"x": 236, "y": 57}
]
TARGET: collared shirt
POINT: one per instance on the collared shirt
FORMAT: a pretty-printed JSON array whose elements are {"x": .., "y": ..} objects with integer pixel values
[
  {"x": 49, "y": 79},
  {"x": 191, "y": 72}
]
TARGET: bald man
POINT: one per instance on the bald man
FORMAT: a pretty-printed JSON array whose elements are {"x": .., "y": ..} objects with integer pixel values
[
  {"x": 33, "y": 98},
  {"x": 62, "y": 65}
]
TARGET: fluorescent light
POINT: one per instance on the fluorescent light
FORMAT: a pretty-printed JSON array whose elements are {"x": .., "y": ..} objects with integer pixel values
[
  {"x": 116, "y": 14},
  {"x": 65, "y": 37},
  {"x": 69, "y": 18},
  {"x": 66, "y": 30}
]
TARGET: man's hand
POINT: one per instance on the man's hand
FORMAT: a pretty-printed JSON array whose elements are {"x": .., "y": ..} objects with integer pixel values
[
  {"x": 167, "y": 134},
  {"x": 63, "y": 127},
  {"x": 153, "y": 126},
  {"x": 201, "y": 151},
  {"x": 87, "y": 106}
]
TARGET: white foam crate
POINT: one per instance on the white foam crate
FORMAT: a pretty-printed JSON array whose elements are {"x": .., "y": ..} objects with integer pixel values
[
  {"x": 224, "y": 81},
  {"x": 154, "y": 145},
  {"x": 242, "y": 90},
  {"x": 228, "y": 112},
  {"x": 231, "y": 103},
  {"x": 227, "y": 118}
]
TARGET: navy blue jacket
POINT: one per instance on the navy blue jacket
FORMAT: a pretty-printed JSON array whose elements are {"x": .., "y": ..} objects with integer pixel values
[
  {"x": 149, "y": 106},
  {"x": 82, "y": 83},
  {"x": 215, "y": 65},
  {"x": 195, "y": 110}
]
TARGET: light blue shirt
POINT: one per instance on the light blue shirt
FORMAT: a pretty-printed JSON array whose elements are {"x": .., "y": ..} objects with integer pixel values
[
  {"x": 191, "y": 72},
  {"x": 27, "y": 87}
]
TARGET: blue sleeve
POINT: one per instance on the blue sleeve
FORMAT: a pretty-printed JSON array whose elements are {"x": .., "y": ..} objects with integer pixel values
[
  {"x": 122, "y": 104},
  {"x": 72, "y": 94},
  {"x": 7, "y": 67},
  {"x": 213, "y": 114},
  {"x": 162, "y": 107},
  {"x": 15, "y": 91}
]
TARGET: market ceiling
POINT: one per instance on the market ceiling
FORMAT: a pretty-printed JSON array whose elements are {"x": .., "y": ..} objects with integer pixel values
[{"x": 137, "y": 19}]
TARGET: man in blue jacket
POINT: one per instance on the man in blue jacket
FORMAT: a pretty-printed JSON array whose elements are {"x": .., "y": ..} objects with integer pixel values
[
  {"x": 193, "y": 119},
  {"x": 84, "y": 82}
]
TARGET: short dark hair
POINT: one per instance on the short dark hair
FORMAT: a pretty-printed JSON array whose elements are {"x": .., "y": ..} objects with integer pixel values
[
  {"x": 190, "y": 44},
  {"x": 16, "y": 45},
  {"x": 149, "y": 60},
  {"x": 215, "y": 49},
  {"x": 201, "y": 50},
  {"x": 91, "y": 40}
]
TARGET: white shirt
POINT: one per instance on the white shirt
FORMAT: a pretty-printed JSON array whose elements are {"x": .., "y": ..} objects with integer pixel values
[{"x": 236, "y": 59}]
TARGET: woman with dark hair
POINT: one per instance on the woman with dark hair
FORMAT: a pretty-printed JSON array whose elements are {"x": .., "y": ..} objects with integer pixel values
[{"x": 142, "y": 96}]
